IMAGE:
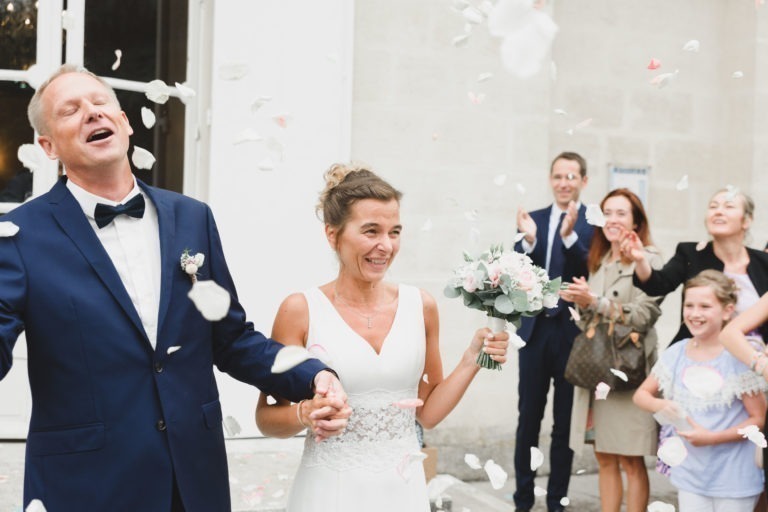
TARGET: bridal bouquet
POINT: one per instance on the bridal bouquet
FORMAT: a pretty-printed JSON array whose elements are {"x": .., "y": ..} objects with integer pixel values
[{"x": 506, "y": 285}]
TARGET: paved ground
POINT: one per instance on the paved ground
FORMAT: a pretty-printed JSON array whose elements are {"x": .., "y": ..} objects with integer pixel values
[{"x": 261, "y": 471}]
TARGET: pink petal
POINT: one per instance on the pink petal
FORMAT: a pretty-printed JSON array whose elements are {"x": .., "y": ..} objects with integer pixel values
[{"x": 654, "y": 64}]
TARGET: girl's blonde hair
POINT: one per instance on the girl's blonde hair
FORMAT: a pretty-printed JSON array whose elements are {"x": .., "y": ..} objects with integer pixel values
[{"x": 724, "y": 287}]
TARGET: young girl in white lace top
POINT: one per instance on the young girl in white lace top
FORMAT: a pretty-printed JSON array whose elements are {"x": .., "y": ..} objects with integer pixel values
[{"x": 719, "y": 394}]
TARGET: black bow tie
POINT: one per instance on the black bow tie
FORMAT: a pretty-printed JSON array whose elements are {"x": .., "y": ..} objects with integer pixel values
[{"x": 104, "y": 214}]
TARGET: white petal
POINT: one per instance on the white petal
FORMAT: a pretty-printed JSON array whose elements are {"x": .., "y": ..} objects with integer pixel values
[
  {"x": 500, "y": 180},
  {"x": 475, "y": 99},
  {"x": 509, "y": 16},
  {"x": 538, "y": 491},
  {"x": 472, "y": 461},
  {"x": 282, "y": 120},
  {"x": 118, "y": 56},
  {"x": 231, "y": 426},
  {"x": 620, "y": 374},
  {"x": 68, "y": 21},
  {"x": 460, "y": 40},
  {"x": 664, "y": 79},
  {"x": 409, "y": 463},
  {"x": 732, "y": 192},
  {"x": 233, "y": 71},
  {"x": 259, "y": 102},
  {"x": 583, "y": 124},
  {"x": 683, "y": 183},
  {"x": 672, "y": 451},
  {"x": 271, "y": 400},
  {"x": 673, "y": 416},
  {"x": 31, "y": 156},
  {"x": 482, "y": 77},
  {"x": 595, "y": 215},
  {"x": 537, "y": 458},
  {"x": 288, "y": 357},
  {"x": 471, "y": 215},
  {"x": 753, "y": 433},
  {"x": 278, "y": 494},
  {"x": 186, "y": 92},
  {"x": 520, "y": 188},
  {"x": 157, "y": 91},
  {"x": 601, "y": 391},
  {"x": 702, "y": 381},
  {"x": 660, "y": 506},
  {"x": 8, "y": 229},
  {"x": 425, "y": 378},
  {"x": 408, "y": 403},
  {"x": 473, "y": 15},
  {"x": 486, "y": 6},
  {"x": 581, "y": 471},
  {"x": 523, "y": 51},
  {"x": 427, "y": 226},
  {"x": 173, "y": 349},
  {"x": 35, "y": 506},
  {"x": 701, "y": 245},
  {"x": 266, "y": 164},
  {"x": 519, "y": 236},
  {"x": 318, "y": 351},
  {"x": 737, "y": 74},
  {"x": 248, "y": 135},
  {"x": 560, "y": 112},
  {"x": 565, "y": 501},
  {"x": 142, "y": 158},
  {"x": 147, "y": 117},
  {"x": 692, "y": 46},
  {"x": 496, "y": 474},
  {"x": 515, "y": 341},
  {"x": 210, "y": 299},
  {"x": 574, "y": 314}
]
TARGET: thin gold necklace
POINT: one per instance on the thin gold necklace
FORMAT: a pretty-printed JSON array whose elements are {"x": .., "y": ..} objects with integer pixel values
[{"x": 368, "y": 318}]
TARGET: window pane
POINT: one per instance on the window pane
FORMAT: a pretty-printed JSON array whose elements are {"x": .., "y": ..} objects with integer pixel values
[
  {"x": 15, "y": 181},
  {"x": 165, "y": 140},
  {"x": 151, "y": 34},
  {"x": 18, "y": 34}
]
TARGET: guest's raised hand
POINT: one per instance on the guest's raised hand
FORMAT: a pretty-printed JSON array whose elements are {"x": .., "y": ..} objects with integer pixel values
[
  {"x": 578, "y": 292},
  {"x": 492, "y": 343},
  {"x": 569, "y": 221},
  {"x": 631, "y": 246},
  {"x": 525, "y": 224}
]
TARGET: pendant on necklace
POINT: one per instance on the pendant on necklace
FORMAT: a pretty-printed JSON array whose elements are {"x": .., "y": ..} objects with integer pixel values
[{"x": 369, "y": 318}]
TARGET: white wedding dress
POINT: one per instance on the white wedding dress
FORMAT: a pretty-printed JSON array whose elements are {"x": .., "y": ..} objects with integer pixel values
[{"x": 376, "y": 464}]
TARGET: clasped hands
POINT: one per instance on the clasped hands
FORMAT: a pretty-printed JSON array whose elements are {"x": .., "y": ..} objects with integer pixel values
[{"x": 327, "y": 413}]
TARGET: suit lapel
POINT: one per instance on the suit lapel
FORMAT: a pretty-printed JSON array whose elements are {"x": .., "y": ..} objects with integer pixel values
[
  {"x": 169, "y": 261},
  {"x": 71, "y": 219}
]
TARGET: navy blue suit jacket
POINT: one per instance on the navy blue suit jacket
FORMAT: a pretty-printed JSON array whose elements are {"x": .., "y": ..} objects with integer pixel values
[
  {"x": 575, "y": 266},
  {"x": 99, "y": 390}
]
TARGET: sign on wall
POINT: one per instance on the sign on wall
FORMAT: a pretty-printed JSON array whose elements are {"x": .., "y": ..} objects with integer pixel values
[{"x": 634, "y": 178}]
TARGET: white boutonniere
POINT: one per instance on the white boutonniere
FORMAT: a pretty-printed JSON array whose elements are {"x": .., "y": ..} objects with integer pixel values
[{"x": 191, "y": 263}]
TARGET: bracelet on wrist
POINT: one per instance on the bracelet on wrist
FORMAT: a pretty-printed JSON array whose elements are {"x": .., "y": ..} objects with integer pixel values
[{"x": 298, "y": 414}]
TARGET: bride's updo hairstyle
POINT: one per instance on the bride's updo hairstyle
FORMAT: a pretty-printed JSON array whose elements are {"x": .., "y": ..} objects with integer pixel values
[{"x": 347, "y": 184}]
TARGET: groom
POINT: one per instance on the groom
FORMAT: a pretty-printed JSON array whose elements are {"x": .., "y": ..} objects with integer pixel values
[{"x": 126, "y": 413}]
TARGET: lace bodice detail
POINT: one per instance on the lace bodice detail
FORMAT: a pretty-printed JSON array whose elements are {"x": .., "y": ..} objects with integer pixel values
[{"x": 379, "y": 435}]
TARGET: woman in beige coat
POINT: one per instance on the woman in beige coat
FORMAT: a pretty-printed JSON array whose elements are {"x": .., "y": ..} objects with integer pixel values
[{"x": 621, "y": 432}]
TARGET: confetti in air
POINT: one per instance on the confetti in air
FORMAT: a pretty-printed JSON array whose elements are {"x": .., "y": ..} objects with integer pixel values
[
  {"x": 460, "y": 41},
  {"x": 500, "y": 180},
  {"x": 595, "y": 215},
  {"x": 538, "y": 491},
  {"x": 664, "y": 79},
  {"x": 483, "y": 77},
  {"x": 565, "y": 501},
  {"x": 231, "y": 426},
  {"x": 701, "y": 245},
  {"x": 475, "y": 99},
  {"x": 142, "y": 158},
  {"x": 471, "y": 215},
  {"x": 118, "y": 57},
  {"x": 737, "y": 74},
  {"x": 210, "y": 299},
  {"x": 683, "y": 183},
  {"x": 35, "y": 506},
  {"x": 601, "y": 391},
  {"x": 233, "y": 71},
  {"x": 289, "y": 357},
  {"x": 266, "y": 165},
  {"x": 520, "y": 188},
  {"x": 654, "y": 64},
  {"x": 472, "y": 461},
  {"x": 692, "y": 46},
  {"x": 496, "y": 474},
  {"x": 620, "y": 374},
  {"x": 157, "y": 91},
  {"x": 427, "y": 226},
  {"x": 672, "y": 451},
  {"x": 271, "y": 400},
  {"x": 537, "y": 458},
  {"x": 147, "y": 117},
  {"x": 259, "y": 102},
  {"x": 173, "y": 349},
  {"x": 560, "y": 112},
  {"x": 574, "y": 314},
  {"x": 660, "y": 506},
  {"x": 753, "y": 433},
  {"x": 30, "y": 156},
  {"x": 247, "y": 135},
  {"x": 8, "y": 229},
  {"x": 410, "y": 463},
  {"x": 184, "y": 91},
  {"x": 519, "y": 237}
]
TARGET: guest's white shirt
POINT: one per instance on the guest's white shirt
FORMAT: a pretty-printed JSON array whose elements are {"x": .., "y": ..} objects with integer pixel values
[
  {"x": 554, "y": 219},
  {"x": 133, "y": 245}
]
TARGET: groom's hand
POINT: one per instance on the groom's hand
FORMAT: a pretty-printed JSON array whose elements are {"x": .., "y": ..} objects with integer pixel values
[{"x": 330, "y": 410}]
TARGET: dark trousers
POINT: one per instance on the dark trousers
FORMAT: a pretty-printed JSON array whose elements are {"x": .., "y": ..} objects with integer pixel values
[
  {"x": 176, "y": 504},
  {"x": 543, "y": 360}
]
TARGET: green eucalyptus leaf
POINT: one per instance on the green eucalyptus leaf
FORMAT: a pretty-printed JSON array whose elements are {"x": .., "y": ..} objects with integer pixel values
[
  {"x": 451, "y": 292},
  {"x": 504, "y": 305}
]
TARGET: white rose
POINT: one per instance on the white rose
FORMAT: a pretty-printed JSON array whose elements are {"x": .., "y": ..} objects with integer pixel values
[
  {"x": 550, "y": 300},
  {"x": 190, "y": 269},
  {"x": 198, "y": 259}
]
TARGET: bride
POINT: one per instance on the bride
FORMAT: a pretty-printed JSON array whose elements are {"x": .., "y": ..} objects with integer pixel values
[{"x": 382, "y": 339}]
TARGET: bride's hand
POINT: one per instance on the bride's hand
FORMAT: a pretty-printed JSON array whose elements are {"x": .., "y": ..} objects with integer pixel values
[
  {"x": 492, "y": 343},
  {"x": 327, "y": 416}
]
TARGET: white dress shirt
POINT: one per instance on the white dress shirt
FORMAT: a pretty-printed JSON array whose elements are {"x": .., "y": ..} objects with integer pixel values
[
  {"x": 554, "y": 219},
  {"x": 133, "y": 245}
]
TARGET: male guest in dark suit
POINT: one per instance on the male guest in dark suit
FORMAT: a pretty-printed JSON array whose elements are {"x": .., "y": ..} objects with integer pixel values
[
  {"x": 125, "y": 409},
  {"x": 552, "y": 235}
]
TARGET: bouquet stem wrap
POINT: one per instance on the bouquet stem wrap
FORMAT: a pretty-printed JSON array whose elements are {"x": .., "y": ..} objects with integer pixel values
[{"x": 484, "y": 360}]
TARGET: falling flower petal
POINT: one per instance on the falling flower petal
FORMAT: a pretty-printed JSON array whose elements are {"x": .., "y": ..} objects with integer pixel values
[
  {"x": 318, "y": 351},
  {"x": 68, "y": 20},
  {"x": 460, "y": 40},
  {"x": 702, "y": 381},
  {"x": 620, "y": 374},
  {"x": 409, "y": 403},
  {"x": 692, "y": 46},
  {"x": 737, "y": 74},
  {"x": 486, "y": 6},
  {"x": 184, "y": 91},
  {"x": 142, "y": 158},
  {"x": 248, "y": 135},
  {"x": 733, "y": 191},
  {"x": 173, "y": 349},
  {"x": 753, "y": 433},
  {"x": 496, "y": 474},
  {"x": 259, "y": 102},
  {"x": 233, "y": 71},
  {"x": 601, "y": 391},
  {"x": 471, "y": 215},
  {"x": 660, "y": 506},
  {"x": 683, "y": 183},
  {"x": 595, "y": 215},
  {"x": 475, "y": 99},
  {"x": 427, "y": 226},
  {"x": 278, "y": 494},
  {"x": 574, "y": 314},
  {"x": 519, "y": 236},
  {"x": 664, "y": 79},
  {"x": 266, "y": 165},
  {"x": 515, "y": 341},
  {"x": 472, "y": 461},
  {"x": 537, "y": 458},
  {"x": 210, "y": 299},
  {"x": 35, "y": 506},
  {"x": 281, "y": 120},
  {"x": 231, "y": 426},
  {"x": 520, "y": 188},
  {"x": 538, "y": 491},
  {"x": 560, "y": 112},
  {"x": 675, "y": 416},
  {"x": 288, "y": 357},
  {"x": 118, "y": 56},
  {"x": 147, "y": 117},
  {"x": 482, "y": 77},
  {"x": 473, "y": 15},
  {"x": 8, "y": 229},
  {"x": 654, "y": 64},
  {"x": 31, "y": 156},
  {"x": 565, "y": 501},
  {"x": 435, "y": 136},
  {"x": 425, "y": 378},
  {"x": 157, "y": 91},
  {"x": 672, "y": 451},
  {"x": 581, "y": 471},
  {"x": 410, "y": 463},
  {"x": 271, "y": 400}
]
